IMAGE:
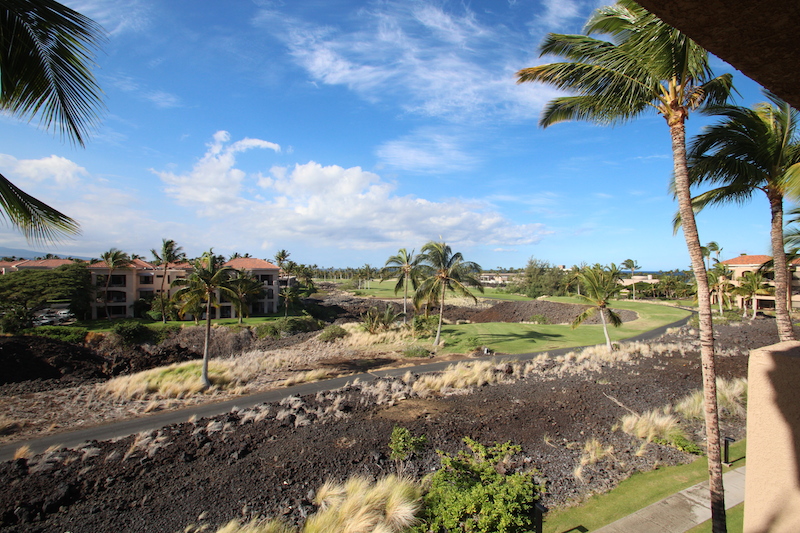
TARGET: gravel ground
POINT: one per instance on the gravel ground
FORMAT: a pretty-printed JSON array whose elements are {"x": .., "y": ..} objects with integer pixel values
[{"x": 269, "y": 461}]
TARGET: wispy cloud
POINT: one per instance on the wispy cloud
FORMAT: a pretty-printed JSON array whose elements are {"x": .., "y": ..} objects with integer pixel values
[
  {"x": 431, "y": 61},
  {"x": 128, "y": 84},
  {"x": 427, "y": 151},
  {"x": 116, "y": 16}
]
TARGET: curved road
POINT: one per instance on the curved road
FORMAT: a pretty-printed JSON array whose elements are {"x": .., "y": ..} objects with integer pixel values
[{"x": 112, "y": 430}]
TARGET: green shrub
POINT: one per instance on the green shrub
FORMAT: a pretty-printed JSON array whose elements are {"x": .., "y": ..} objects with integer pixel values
[
  {"x": 403, "y": 444},
  {"x": 539, "y": 319},
  {"x": 681, "y": 442},
  {"x": 375, "y": 321},
  {"x": 425, "y": 326},
  {"x": 473, "y": 342},
  {"x": 468, "y": 493},
  {"x": 132, "y": 332},
  {"x": 163, "y": 333},
  {"x": 288, "y": 325},
  {"x": 62, "y": 333},
  {"x": 416, "y": 351},
  {"x": 332, "y": 332},
  {"x": 268, "y": 329}
]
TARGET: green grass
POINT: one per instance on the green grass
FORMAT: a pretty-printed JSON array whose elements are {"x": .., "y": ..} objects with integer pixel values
[
  {"x": 513, "y": 338},
  {"x": 385, "y": 289},
  {"x": 734, "y": 519},
  {"x": 106, "y": 325},
  {"x": 634, "y": 493}
]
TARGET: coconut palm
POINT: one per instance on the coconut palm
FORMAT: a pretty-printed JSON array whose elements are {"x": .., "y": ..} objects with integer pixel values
[
  {"x": 752, "y": 150},
  {"x": 646, "y": 65},
  {"x": 720, "y": 286},
  {"x": 291, "y": 298},
  {"x": 444, "y": 271},
  {"x": 403, "y": 266},
  {"x": 114, "y": 259},
  {"x": 714, "y": 247},
  {"x": 280, "y": 257},
  {"x": 600, "y": 285},
  {"x": 46, "y": 60},
  {"x": 752, "y": 284},
  {"x": 209, "y": 276},
  {"x": 246, "y": 288},
  {"x": 633, "y": 266},
  {"x": 170, "y": 253}
]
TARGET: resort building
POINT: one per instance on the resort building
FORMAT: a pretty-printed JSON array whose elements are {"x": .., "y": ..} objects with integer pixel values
[{"x": 751, "y": 263}]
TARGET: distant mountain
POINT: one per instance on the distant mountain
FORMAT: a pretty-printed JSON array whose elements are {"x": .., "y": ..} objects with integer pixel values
[{"x": 29, "y": 254}]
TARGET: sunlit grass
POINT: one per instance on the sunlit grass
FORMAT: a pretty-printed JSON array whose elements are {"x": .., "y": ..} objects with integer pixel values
[{"x": 174, "y": 381}]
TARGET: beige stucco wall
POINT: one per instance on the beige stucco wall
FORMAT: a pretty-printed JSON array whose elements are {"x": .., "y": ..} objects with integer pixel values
[{"x": 772, "y": 484}]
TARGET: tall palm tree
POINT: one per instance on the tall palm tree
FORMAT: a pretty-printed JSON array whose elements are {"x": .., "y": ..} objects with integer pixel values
[
  {"x": 720, "y": 286},
  {"x": 246, "y": 288},
  {"x": 600, "y": 285},
  {"x": 633, "y": 266},
  {"x": 647, "y": 65},
  {"x": 208, "y": 277},
  {"x": 170, "y": 253},
  {"x": 280, "y": 257},
  {"x": 445, "y": 271},
  {"x": 403, "y": 266},
  {"x": 714, "y": 248},
  {"x": 45, "y": 59},
  {"x": 114, "y": 259},
  {"x": 291, "y": 297},
  {"x": 753, "y": 150}
]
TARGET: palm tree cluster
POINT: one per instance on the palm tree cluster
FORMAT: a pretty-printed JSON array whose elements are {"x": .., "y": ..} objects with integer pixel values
[{"x": 432, "y": 274}]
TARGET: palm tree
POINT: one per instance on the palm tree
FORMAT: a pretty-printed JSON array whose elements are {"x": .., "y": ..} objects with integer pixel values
[
  {"x": 170, "y": 253},
  {"x": 405, "y": 267},
  {"x": 291, "y": 297},
  {"x": 715, "y": 248},
  {"x": 720, "y": 286},
  {"x": 246, "y": 287},
  {"x": 752, "y": 284},
  {"x": 600, "y": 285},
  {"x": 113, "y": 259},
  {"x": 633, "y": 266},
  {"x": 445, "y": 271},
  {"x": 208, "y": 277},
  {"x": 753, "y": 150},
  {"x": 46, "y": 60},
  {"x": 647, "y": 66},
  {"x": 281, "y": 256}
]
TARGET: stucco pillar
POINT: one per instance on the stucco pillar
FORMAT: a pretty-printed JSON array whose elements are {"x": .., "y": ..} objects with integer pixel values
[{"x": 772, "y": 482}]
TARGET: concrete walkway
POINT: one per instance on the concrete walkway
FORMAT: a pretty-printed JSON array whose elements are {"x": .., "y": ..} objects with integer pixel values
[{"x": 681, "y": 511}]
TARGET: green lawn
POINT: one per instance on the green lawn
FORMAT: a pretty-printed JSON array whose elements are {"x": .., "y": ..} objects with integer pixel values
[
  {"x": 385, "y": 289},
  {"x": 734, "y": 519},
  {"x": 634, "y": 493},
  {"x": 513, "y": 338},
  {"x": 106, "y": 325}
]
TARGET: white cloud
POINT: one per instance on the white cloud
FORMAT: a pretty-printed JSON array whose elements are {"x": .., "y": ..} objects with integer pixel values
[
  {"x": 348, "y": 208},
  {"x": 53, "y": 169},
  {"x": 427, "y": 151},
  {"x": 116, "y": 16},
  {"x": 434, "y": 62}
]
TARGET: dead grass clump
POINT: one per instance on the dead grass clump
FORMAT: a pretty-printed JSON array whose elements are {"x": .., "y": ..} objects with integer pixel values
[
  {"x": 256, "y": 526},
  {"x": 23, "y": 452},
  {"x": 358, "y": 338},
  {"x": 731, "y": 400},
  {"x": 174, "y": 381},
  {"x": 307, "y": 377},
  {"x": 654, "y": 425},
  {"x": 464, "y": 375},
  {"x": 9, "y": 426}
]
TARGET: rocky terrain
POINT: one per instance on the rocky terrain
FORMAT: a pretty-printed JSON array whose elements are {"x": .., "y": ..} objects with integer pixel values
[{"x": 268, "y": 461}]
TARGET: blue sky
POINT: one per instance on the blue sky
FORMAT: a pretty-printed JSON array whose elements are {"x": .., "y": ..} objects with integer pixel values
[{"x": 343, "y": 130}]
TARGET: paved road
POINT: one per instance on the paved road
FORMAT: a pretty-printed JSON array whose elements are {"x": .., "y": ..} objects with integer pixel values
[{"x": 73, "y": 439}]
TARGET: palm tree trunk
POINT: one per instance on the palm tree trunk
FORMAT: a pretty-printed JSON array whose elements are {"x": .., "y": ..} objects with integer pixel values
[
  {"x": 784, "y": 321},
  {"x": 441, "y": 317},
  {"x": 405, "y": 299},
  {"x": 605, "y": 328},
  {"x": 206, "y": 381},
  {"x": 683, "y": 194},
  {"x": 163, "y": 300}
]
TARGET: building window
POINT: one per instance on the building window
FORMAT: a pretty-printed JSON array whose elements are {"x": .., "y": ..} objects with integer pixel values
[
  {"x": 266, "y": 278},
  {"x": 146, "y": 280},
  {"x": 225, "y": 311},
  {"x": 116, "y": 296},
  {"x": 118, "y": 280},
  {"x": 270, "y": 294}
]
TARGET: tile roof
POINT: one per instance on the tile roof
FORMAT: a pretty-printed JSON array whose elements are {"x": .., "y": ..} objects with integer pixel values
[
  {"x": 754, "y": 260},
  {"x": 43, "y": 263},
  {"x": 250, "y": 263},
  {"x": 136, "y": 263}
]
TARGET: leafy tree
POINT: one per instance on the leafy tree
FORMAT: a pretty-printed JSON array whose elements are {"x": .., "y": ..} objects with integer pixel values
[
  {"x": 646, "y": 66},
  {"x": 540, "y": 278},
  {"x": 45, "y": 61},
  {"x": 633, "y": 266},
  {"x": 246, "y": 288},
  {"x": 405, "y": 267},
  {"x": 208, "y": 277},
  {"x": 445, "y": 271},
  {"x": 600, "y": 285},
  {"x": 170, "y": 253},
  {"x": 114, "y": 259},
  {"x": 753, "y": 150}
]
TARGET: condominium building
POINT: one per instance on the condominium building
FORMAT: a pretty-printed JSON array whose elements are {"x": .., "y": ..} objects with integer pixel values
[{"x": 751, "y": 263}]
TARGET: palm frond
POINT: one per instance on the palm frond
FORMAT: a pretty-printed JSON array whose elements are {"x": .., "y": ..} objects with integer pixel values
[{"x": 37, "y": 221}]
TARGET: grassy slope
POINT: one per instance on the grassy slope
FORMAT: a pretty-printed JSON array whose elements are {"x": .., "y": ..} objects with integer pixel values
[
  {"x": 515, "y": 338},
  {"x": 634, "y": 493}
]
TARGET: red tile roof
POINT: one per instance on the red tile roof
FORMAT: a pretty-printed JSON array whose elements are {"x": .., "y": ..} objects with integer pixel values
[
  {"x": 250, "y": 263},
  {"x": 43, "y": 263},
  {"x": 136, "y": 263},
  {"x": 753, "y": 260}
]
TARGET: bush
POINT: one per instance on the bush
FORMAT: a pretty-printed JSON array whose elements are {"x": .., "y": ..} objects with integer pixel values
[
  {"x": 416, "y": 351},
  {"x": 132, "y": 332},
  {"x": 375, "y": 321},
  {"x": 539, "y": 319},
  {"x": 332, "y": 332},
  {"x": 62, "y": 333},
  {"x": 163, "y": 333},
  {"x": 425, "y": 326},
  {"x": 268, "y": 329},
  {"x": 403, "y": 444},
  {"x": 288, "y": 325},
  {"x": 468, "y": 493}
]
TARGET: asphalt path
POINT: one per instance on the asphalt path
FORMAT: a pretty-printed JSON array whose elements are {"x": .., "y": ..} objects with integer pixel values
[{"x": 119, "y": 429}]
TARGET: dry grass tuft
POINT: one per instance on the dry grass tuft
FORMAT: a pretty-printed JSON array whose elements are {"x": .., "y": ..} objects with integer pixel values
[
  {"x": 658, "y": 424},
  {"x": 465, "y": 375},
  {"x": 731, "y": 400},
  {"x": 174, "y": 381},
  {"x": 593, "y": 451},
  {"x": 256, "y": 526},
  {"x": 23, "y": 452},
  {"x": 307, "y": 377}
]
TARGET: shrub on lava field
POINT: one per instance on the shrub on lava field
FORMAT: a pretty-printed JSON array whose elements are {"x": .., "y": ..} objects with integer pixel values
[
  {"x": 403, "y": 444},
  {"x": 472, "y": 492},
  {"x": 132, "y": 332},
  {"x": 539, "y": 319},
  {"x": 425, "y": 326},
  {"x": 332, "y": 332},
  {"x": 61, "y": 333},
  {"x": 416, "y": 351}
]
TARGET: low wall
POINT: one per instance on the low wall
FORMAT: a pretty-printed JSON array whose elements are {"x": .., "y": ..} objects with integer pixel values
[{"x": 772, "y": 482}]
